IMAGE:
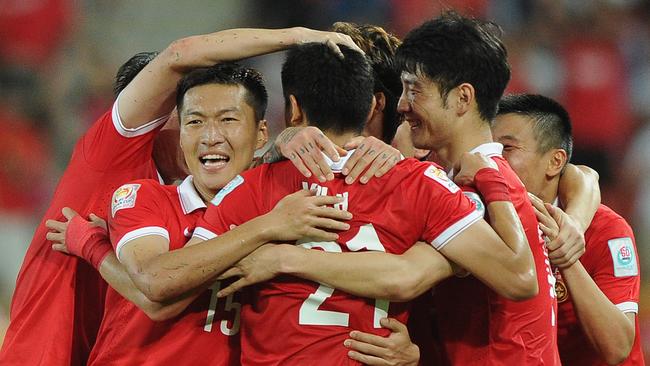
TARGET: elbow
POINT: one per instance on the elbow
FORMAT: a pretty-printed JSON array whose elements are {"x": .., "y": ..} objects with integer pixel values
[
  {"x": 617, "y": 352},
  {"x": 175, "y": 56},
  {"x": 524, "y": 287},
  {"x": 615, "y": 358},
  {"x": 399, "y": 292},
  {"x": 617, "y": 355},
  {"x": 153, "y": 289},
  {"x": 159, "y": 313},
  {"x": 406, "y": 286}
]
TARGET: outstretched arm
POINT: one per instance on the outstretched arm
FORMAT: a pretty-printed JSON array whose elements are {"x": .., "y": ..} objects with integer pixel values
[
  {"x": 162, "y": 275},
  {"x": 367, "y": 274},
  {"x": 153, "y": 91},
  {"x": 505, "y": 263}
]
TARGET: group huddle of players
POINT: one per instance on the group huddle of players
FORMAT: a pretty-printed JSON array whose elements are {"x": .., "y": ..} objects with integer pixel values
[{"x": 487, "y": 248}]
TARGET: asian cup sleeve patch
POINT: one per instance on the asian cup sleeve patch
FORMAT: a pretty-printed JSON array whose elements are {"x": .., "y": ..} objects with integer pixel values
[
  {"x": 234, "y": 183},
  {"x": 124, "y": 197},
  {"x": 442, "y": 178},
  {"x": 623, "y": 257}
]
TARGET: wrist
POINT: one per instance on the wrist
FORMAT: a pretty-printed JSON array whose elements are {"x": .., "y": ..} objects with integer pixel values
[
  {"x": 298, "y": 35},
  {"x": 287, "y": 257},
  {"x": 265, "y": 230},
  {"x": 571, "y": 269},
  {"x": 98, "y": 254}
]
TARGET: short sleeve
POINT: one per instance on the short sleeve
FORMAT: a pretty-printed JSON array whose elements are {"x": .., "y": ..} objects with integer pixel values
[
  {"x": 237, "y": 202},
  {"x": 446, "y": 209},
  {"x": 136, "y": 212},
  {"x": 615, "y": 264},
  {"x": 108, "y": 145}
]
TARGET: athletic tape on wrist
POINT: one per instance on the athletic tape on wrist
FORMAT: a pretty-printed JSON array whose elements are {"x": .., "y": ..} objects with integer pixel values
[
  {"x": 87, "y": 241},
  {"x": 492, "y": 185}
]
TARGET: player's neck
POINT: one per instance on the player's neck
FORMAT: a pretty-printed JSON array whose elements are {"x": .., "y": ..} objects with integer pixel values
[
  {"x": 468, "y": 136},
  {"x": 206, "y": 194},
  {"x": 340, "y": 139}
]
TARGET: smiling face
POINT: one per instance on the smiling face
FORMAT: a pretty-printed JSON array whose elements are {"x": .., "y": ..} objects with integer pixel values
[
  {"x": 426, "y": 111},
  {"x": 521, "y": 149},
  {"x": 218, "y": 134}
]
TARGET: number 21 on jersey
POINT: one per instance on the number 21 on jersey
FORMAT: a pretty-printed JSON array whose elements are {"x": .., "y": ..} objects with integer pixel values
[{"x": 310, "y": 314}]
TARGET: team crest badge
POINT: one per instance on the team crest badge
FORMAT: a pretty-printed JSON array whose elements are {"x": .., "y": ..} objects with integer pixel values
[
  {"x": 442, "y": 178},
  {"x": 623, "y": 257},
  {"x": 124, "y": 197},
  {"x": 561, "y": 291}
]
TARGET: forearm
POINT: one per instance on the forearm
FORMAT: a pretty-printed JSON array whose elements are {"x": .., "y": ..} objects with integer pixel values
[
  {"x": 579, "y": 194},
  {"x": 198, "y": 264},
  {"x": 516, "y": 276},
  {"x": 152, "y": 92},
  {"x": 231, "y": 45},
  {"x": 370, "y": 274},
  {"x": 113, "y": 272},
  {"x": 609, "y": 330},
  {"x": 506, "y": 223}
]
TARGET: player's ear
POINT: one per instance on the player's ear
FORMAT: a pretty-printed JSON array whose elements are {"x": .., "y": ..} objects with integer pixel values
[
  {"x": 464, "y": 96},
  {"x": 380, "y": 103},
  {"x": 374, "y": 111},
  {"x": 262, "y": 134},
  {"x": 296, "y": 115},
  {"x": 556, "y": 162}
]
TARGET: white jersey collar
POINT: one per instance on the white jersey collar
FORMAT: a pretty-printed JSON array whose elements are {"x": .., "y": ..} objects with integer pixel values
[
  {"x": 489, "y": 149},
  {"x": 190, "y": 198},
  {"x": 337, "y": 166}
]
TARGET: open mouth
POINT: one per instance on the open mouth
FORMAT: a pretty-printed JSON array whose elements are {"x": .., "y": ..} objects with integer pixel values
[{"x": 214, "y": 160}]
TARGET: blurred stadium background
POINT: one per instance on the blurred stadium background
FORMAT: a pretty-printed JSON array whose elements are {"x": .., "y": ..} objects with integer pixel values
[{"x": 58, "y": 59}]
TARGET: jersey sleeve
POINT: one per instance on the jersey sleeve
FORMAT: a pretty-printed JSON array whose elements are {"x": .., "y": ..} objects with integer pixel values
[
  {"x": 135, "y": 212},
  {"x": 237, "y": 202},
  {"x": 446, "y": 210},
  {"x": 109, "y": 145},
  {"x": 616, "y": 268}
]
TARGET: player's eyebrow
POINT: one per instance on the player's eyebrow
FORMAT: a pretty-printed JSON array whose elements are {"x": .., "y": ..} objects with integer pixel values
[{"x": 193, "y": 112}]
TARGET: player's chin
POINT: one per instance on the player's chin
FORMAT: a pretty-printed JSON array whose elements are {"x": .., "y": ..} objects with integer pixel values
[{"x": 218, "y": 180}]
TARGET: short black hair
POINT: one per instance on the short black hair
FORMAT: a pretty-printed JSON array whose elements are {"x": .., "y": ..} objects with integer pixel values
[
  {"x": 335, "y": 94},
  {"x": 551, "y": 122},
  {"x": 228, "y": 73},
  {"x": 379, "y": 46},
  {"x": 131, "y": 68},
  {"x": 453, "y": 49}
]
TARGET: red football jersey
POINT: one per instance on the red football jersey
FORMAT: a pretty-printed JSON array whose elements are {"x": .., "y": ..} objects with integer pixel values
[
  {"x": 479, "y": 327},
  {"x": 290, "y": 321},
  {"x": 206, "y": 333},
  {"x": 58, "y": 302},
  {"x": 611, "y": 260}
]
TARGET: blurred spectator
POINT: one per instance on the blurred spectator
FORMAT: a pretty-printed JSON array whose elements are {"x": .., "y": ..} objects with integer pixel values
[
  {"x": 24, "y": 146},
  {"x": 32, "y": 30}
]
